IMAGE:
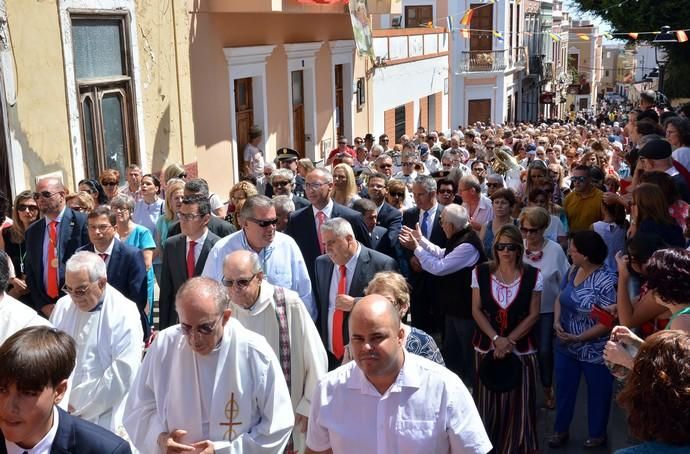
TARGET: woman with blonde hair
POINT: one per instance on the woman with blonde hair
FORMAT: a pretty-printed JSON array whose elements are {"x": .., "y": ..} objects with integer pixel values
[
  {"x": 173, "y": 201},
  {"x": 240, "y": 192},
  {"x": 80, "y": 201},
  {"x": 344, "y": 189},
  {"x": 174, "y": 170},
  {"x": 649, "y": 214}
]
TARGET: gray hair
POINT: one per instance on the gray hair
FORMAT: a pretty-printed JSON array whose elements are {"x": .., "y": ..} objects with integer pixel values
[
  {"x": 252, "y": 202},
  {"x": 470, "y": 182},
  {"x": 450, "y": 154},
  {"x": 338, "y": 227},
  {"x": 327, "y": 175},
  {"x": 456, "y": 215},
  {"x": 283, "y": 204},
  {"x": 87, "y": 260},
  {"x": 381, "y": 158},
  {"x": 204, "y": 285},
  {"x": 270, "y": 165},
  {"x": 283, "y": 173},
  {"x": 427, "y": 182},
  {"x": 378, "y": 148},
  {"x": 253, "y": 257},
  {"x": 122, "y": 201}
]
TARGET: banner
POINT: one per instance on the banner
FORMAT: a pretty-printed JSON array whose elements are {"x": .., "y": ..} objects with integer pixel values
[{"x": 361, "y": 28}]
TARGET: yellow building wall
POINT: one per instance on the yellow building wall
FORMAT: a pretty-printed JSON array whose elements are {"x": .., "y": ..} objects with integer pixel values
[{"x": 38, "y": 120}]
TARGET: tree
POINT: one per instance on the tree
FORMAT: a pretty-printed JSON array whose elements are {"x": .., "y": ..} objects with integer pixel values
[{"x": 646, "y": 16}]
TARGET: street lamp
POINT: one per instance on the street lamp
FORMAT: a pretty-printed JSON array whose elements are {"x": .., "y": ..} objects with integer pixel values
[{"x": 665, "y": 36}]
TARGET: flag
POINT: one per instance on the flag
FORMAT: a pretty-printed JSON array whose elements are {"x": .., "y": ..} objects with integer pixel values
[
  {"x": 465, "y": 33},
  {"x": 498, "y": 35},
  {"x": 633, "y": 35},
  {"x": 449, "y": 23},
  {"x": 682, "y": 36},
  {"x": 555, "y": 37},
  {"x": 608, "y": 35},
  {"x": 583, "y": 37},
  {"x": 467, "y": 17}
]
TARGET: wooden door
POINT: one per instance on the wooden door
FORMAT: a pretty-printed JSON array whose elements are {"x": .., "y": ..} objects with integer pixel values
[
  {"x": 482, "y": 19},
  {"x": 298, "y": 113},
  {"x": 479, "y": 110},
  {"x": 244, "y": 115},
  {"x": 339, "y": 110},
  {"x": 418, "y": 16}
]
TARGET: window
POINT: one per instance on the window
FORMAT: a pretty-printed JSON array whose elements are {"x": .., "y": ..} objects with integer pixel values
[
  {"x": 418, "y": 16},
  {"x": 606, "y": 73},
  {"x": 399, "y": 122},
  {"x": 104, "y": 83}
]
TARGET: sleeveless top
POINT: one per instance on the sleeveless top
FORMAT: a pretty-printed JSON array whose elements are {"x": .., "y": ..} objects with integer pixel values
[{"x": 676, "y": 315}]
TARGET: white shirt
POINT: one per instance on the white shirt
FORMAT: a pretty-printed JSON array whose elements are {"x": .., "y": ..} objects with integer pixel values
[
  {"x": 484, "y": 211},
  {"x": 327, "y": 210},
  {"x": 255, "y": 158},
  {"x": 108, "y": 251},
  {"x": 552, "y": 266},
  {"x": 426, "y": 410},
  {"x": 43, "y": 446},
  {"x": 333, "y": 290},
  {"x": 555, "y": 229},
  {"x": 198, "y": 245},
  {"x": 432, "y": 259},
  {"x": 15, "y": 315}
]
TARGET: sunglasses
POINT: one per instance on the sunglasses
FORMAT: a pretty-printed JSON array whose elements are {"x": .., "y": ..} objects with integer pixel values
[
  {"x": 397, "y": 194},
  {"x": 263, "y": 223},
  {"x": 525, "y": 230},
  {"x": 280, "y": 184},
  {"x": 241, "y": 283},
  {"x": 44, "y": 194},
  {"x": 385, "y": 166},
  {"x": 512, "y": 247},
  {"x": 205, "y": 329},
  {"x": 578, "y": 179},
  {"x": 182, "y": 175},
  {"x": 23, "y": 207},
  {"x": 109, "y": 183}
]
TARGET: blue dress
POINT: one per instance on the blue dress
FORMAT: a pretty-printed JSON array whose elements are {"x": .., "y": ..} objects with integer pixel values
[
  {"x": 140, "y": 237},
  {"x": 652, "y": 447},
  {"x": 421, "y": 344}
]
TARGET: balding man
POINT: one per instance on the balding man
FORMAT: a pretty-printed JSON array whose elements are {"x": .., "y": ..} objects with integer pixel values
[
  {"x": 208, "y": 384},
  {"x": 389, "y": 400},
  {"x": 279, "y": 315},
  {"x": 50, "y": 242}
]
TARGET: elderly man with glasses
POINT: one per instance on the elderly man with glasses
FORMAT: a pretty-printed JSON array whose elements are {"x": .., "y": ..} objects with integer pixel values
[
  {"x": 293, "y": 338},
  {"x": 50, "y": 242},
  {"x": 281, "y": 260},
  {"x": 108, "y": 334},
  {"x": 209, "y": 384}
]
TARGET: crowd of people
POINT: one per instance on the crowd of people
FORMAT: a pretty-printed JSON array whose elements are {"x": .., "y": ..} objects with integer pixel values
[{"x": 402, "y": 298}]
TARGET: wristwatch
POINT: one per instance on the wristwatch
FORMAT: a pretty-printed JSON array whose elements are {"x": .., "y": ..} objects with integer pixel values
[{"x": 493, "y": 339}]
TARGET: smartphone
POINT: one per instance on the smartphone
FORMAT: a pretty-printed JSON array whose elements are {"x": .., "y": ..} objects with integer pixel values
[{"x": 605, "y": 318}]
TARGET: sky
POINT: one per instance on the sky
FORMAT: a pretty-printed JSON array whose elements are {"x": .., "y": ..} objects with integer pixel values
[{"x": 576, "y": 14}]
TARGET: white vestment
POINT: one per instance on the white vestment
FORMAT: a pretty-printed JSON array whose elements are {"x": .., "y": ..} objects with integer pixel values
[
  {"x": 250, "y": 403},
  {"x": 15, "y": 315},
  {"x": 308, "y": 360},
  {"x": 109, "y": 349}
]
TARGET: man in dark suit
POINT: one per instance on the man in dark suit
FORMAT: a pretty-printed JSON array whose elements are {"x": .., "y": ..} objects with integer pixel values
[
  {"x": 218, "y": 226},
  {"x": 283, "y": 182},
  {"x": 427, "y": 213},
  {"x": 303, "y": 223},
  {"x": 336, "y": 287},
  {"x": 184, "y": 255},
  {"x": 39, "y": 360},
  {"x": 125, "y": 264},
  {"x": 378, "y": 235},
  {"x": 50, "y": 242}
]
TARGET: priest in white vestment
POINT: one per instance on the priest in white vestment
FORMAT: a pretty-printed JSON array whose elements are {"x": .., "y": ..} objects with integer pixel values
[
  {"x": 14, "y": 315},
  {"x": 209, "y": 384},
  {"x": 108, "y": 333},
  {"x": 281, "y": 317}
]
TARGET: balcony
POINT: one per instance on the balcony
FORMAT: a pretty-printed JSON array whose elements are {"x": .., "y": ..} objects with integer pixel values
[
  {"x": 492, "y": 60},
  {"x": 396, "y": 46}
]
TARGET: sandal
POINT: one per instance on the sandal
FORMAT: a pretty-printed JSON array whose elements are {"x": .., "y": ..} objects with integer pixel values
[
  {"x": 592, "y": 443},
  {"x": 558, "y": 439}
]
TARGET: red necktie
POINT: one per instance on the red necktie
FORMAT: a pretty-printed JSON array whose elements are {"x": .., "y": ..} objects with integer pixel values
[
  {"x": 190, "y": 259},
  {"x": 320, "y": 219},
  {"x": 338, "y": 345},
  {"x": 104, "y": 256},
  {"x": 52, "y": 278}
]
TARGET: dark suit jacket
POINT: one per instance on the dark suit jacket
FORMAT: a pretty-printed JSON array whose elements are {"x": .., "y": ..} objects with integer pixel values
[
  {"x": 390, "y": 218},
  {"x": 380, "y": 241},
  {"x": 72, "y": 233},
  {"x": 220, "y": 227},
  {"x": 127, "y": 273},
  {"x": 174, "y": 274},
  {"x": 302, "y": 228},
  {"x": 410, "y": 218},
  {"x": 76, "y": 436},
  {"x": 369, "y": 263},
  {"x": 300, "y": 202}
]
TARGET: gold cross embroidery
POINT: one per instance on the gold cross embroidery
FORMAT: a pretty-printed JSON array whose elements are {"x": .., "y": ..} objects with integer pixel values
[{"x": 232, "y": 411}]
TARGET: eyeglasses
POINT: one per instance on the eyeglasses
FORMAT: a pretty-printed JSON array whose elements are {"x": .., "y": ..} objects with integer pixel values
[
  {"x": 478, "y": 169},
  {"x": 77, "y": 208},
  {"x": 205, "y": 329},
  {"x": 44, "y": 194},
  {"x": 188, "y": 216},
  {"x": 99, "y": 227},
  {"x": 408, "y": 164},
  {"x": 512, "y": 247},
  {"x": 445, "y": 191},
  {"x": 109, "y": 183},
  {"x": 118, "y": 209},
  {"x": 525, "y": 230},
  {"x": 241, "y": 283},
  {"x": 314, "y": 186},
  {"x": 342, "y": 143},
  {"x": 263, "y": 223},
  {"x": 385, "y": 166},
  {"x": 79, "y": 291},
  {"x": 280, "y": 184},
  {"x": 182, "y": 175},
  {"x": 397, "y": 194},
  {"x": 385, "y": 140},
  {"x": 578, "y": 179},
  {"x": 23, "y": 207}
]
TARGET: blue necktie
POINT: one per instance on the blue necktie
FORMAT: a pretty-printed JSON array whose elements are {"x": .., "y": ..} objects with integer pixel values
[{"x": 425, "y": 218}]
